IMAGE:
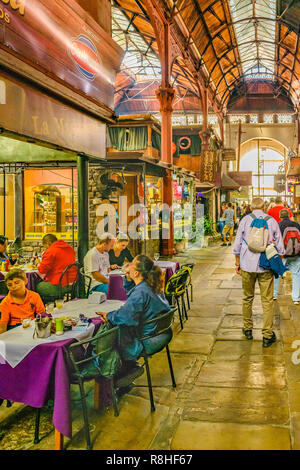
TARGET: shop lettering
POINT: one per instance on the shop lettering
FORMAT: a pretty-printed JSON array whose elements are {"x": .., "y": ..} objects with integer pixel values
[
  {"x": 2, "y": 92},
  {"x": 4, "y": 16},
  {"x": 43, "y": 127},
  {"x": 16, "y": 5}
]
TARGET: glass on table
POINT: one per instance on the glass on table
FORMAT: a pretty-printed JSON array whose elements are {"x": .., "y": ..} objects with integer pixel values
[
  {"x": 50, "y": 308},
  {"x": 156, "y": 256},
  {"x": 26, "y": 322},
  {"x": 59, "y": 303}
]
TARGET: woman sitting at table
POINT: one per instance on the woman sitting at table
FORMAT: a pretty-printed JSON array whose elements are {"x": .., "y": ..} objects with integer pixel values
[
  {"x": 145, "y": 302},
  {"x": 120, "y": 252},
  {"x": 20, "y": 302}
]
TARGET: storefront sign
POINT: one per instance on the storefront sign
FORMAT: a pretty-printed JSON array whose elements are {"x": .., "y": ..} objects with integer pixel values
[
  {"x": 33, "y": 114},
  {"x": 60, "y": 236},
  {"x": 208, "y": 167},
  {"x": 229, "y": 155},
  {"x": 54, "y": 35}
]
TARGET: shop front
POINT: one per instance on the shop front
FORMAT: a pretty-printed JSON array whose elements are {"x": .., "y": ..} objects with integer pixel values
[{"x": 56, "y": 96}]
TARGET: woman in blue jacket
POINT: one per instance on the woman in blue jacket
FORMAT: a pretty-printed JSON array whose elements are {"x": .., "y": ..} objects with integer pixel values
[{"x": 145, "y": 301}]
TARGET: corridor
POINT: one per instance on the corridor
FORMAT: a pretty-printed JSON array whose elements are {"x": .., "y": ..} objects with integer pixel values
[{"x": 231, "y": 393}]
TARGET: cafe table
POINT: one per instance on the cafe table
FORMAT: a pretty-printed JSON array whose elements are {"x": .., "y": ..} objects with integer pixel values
[
  {"x": 33, "y": 277},
  {"x": 34, "y": 371},
  {"x": 169, "y": 267}
]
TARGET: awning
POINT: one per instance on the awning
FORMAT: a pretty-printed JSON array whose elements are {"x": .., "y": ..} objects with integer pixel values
[{"x": 229, "y": 183}]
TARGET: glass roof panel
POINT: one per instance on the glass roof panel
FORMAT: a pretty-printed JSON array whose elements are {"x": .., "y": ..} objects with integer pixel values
[{"x": 254, "y": 24}]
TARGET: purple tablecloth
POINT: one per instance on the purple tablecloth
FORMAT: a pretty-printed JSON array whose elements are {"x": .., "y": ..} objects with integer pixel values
[
  {"x": 42, "y": 375},
  {"x": 169, "y": 271},
  {"x": 33, "y": 279}
]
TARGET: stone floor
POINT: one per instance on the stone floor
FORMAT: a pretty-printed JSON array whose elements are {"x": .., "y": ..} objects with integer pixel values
[{"x": 231, "y": 393}]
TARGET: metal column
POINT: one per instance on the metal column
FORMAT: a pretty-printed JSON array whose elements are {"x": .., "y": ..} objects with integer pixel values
[{"x": 83, "y": 206}]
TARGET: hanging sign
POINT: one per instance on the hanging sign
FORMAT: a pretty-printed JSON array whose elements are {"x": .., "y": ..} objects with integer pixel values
[{"x": 229, "y": 155}]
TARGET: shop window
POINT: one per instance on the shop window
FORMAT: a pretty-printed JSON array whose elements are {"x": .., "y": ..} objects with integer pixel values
[
  {"x": 7, "y": 206},
  {"x": 51, "y": 203}
]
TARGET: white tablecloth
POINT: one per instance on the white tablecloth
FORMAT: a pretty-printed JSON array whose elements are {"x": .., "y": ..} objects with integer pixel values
[
  {"x": 166, "y": 264},
  {"x": 17, "y": 343}
]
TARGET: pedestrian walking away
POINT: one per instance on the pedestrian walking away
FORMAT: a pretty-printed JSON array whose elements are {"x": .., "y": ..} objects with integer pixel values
[{"x": 247, "y": 265}]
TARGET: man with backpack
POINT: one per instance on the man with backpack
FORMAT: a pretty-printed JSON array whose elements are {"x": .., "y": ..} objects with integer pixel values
[
  {"x": 291, "y": 238},
  {"x": 255, "y": 232}
]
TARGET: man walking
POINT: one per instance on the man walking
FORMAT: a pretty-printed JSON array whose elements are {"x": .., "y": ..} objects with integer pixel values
[
  {"x": 275, "y": 211},
  {"x": 229, "y": 224},
  {"x": 291, "y": 233},
  {"x": 247, "y": 265}
]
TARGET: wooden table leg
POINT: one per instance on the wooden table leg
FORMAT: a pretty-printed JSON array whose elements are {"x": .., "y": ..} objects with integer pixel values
[
  {"x": 97, "y": 398},
  {"x": 59, "y": 440}
]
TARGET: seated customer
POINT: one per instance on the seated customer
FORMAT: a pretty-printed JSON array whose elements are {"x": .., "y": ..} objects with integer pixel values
[
  {"x": 96, "y": 263},
  {"x": 3, "y": 248},
  {"x": 56, "y": 258},
  {"x": 120, "y": 252},
  {"x": 20, "y": 302},
  {"x": 145, "y": 302}
]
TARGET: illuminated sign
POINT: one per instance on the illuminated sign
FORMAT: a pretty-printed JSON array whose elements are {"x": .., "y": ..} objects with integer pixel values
[{"x": 84, "y": 54}]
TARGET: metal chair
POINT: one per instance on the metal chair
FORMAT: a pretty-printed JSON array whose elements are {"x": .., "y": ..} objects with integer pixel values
[
  {"x": 163, "y": 324},
  {"x": 84, "y": 368},
  {"x": 86, "y": 282},
  {"x": 176, "y": 288},
  {"x": 70, "y": 289},
  {"x": 3, "y": 289},
  {"x": 191, "y": 267}
]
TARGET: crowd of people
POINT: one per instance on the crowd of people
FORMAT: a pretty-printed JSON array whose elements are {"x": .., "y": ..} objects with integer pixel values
[{"x": 144, "y": 283}]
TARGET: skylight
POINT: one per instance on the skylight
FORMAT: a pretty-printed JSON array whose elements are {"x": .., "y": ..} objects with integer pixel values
[
  {"x": 140, "y": 61},
  {"x": 254, "y": 23}
]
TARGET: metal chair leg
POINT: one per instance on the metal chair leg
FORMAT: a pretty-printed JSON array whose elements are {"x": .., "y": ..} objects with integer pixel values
[
  {"x": 179, "y": 312},
  {"x": 85, "y": 416},
  {"x": 192, "y": 300},
  {"x": 149, "y": 384},
  {"x": 114, "y": 398},
  {"x": 37, "y": 426},
  {"x": 188, "y": 299},
  {"x": 171, "y": 367},
  {"x": 184, "y": 311}
]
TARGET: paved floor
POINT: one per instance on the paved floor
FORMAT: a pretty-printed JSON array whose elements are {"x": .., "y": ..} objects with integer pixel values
[{"x": 231, "y": 393}]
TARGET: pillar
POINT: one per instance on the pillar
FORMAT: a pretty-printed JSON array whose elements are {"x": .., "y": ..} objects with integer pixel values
[
  {"x": 167, "y": 245},
  {"x": 204, "y": 134},
  {"x": 83, "y": 206}
]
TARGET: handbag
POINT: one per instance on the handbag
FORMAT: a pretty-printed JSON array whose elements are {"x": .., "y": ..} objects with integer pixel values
[{"x": 42, "y": 327}]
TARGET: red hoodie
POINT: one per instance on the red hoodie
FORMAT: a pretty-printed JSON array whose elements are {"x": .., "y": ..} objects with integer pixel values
[{"x": 55, "y": 260}]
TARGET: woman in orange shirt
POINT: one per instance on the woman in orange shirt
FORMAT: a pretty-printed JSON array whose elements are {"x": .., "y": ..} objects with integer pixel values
[{"x": 20, "y": 302}]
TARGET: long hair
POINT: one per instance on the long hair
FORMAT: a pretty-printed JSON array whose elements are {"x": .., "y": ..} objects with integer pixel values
[{"x": 151, "y": 274}]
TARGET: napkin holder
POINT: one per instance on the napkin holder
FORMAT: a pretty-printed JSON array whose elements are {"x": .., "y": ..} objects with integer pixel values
[{"x": 97, "y": 298}]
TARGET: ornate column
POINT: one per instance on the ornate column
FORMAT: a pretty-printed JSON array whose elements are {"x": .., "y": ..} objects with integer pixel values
[
  {"x": 166, "y": 98},
  {"x": 205, "y": 134}
]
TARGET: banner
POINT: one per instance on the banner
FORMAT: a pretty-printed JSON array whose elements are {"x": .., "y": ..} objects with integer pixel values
[{"x": 208, "y": 168}]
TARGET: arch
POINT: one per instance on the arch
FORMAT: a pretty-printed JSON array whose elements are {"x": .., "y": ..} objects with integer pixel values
[{"x": 273, "y": 144}]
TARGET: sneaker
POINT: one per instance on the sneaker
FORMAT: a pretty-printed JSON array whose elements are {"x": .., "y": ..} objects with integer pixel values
[
  {"x": 229, "y": 244},
  {"x": 248, "y": 334},
  {"x": 296, "y": 303},
  {"x": 274, "y": 298},
  {"x": 268, "y": 341},
  {"x": 224, "y": 244}
]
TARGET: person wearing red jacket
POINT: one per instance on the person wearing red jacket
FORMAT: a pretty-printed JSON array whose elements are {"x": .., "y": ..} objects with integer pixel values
[
  {"x": 56, "y": 258},
  {"x": 275, "y": 211}
]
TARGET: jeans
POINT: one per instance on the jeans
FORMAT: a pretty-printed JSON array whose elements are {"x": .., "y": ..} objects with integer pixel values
[{"x": 294, "y": 267}]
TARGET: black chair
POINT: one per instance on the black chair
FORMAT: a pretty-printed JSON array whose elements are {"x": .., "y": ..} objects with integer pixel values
[
  {"x": 70, "y": 289},
  {"x": 3, "y": 288},
  {"x": 86, "y": 283},
  {"x": 191, "y": 267},
  {"x": 163, "y": 324},
  {"x": 84, "y": 369},
  {"x": 176, "y": 288}
]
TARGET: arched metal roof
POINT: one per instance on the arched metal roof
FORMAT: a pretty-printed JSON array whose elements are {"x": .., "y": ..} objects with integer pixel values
[{"x": 235, "y": 41}]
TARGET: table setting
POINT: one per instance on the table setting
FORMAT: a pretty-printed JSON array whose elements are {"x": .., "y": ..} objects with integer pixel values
[{"x": 35, "y": 370}]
